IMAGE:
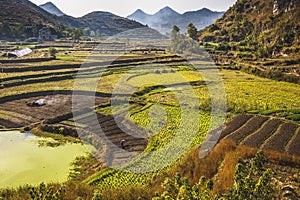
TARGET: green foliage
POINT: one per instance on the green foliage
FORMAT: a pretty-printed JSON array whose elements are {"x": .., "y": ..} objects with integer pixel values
[
  {"x": 254, "y": 23},
  {"x": 257, "y": 163},
  {"x": 97, "y": 195},
  {"x": 290, "y": 114},
  {"x": 43, "y": 193},
  {"x": 77, "y": 33},
  {"x": 247, "y": 185},
  {"x": 192, "y": 31},
  {"x": 53, "y": 51},
  {"x": 180, "y": 189},
  {"x": 174, "y": 32},
  {"x": 244, "y": 92},
  {"x": 110, "y": 178},
  {"x": 182, "y": 44},
  {"x": 294, "y": 117}
]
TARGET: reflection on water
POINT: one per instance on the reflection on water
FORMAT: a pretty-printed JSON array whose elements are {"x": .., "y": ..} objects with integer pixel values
[{"x": 24, "y": 161}]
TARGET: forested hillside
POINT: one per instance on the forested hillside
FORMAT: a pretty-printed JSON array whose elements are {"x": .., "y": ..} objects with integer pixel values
[{"x": 267, "y": 27}]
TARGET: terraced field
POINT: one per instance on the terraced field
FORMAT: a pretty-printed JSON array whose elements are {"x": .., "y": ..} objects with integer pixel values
[
  {"x": 111, "y": 131},
  {"x": 53, "y": 82},
  {"x": 23, "y": 85},
  {"x": 266, "y": 133},
  {"x": 16, "y": 111},
  {"x": 58, "y": 109}
]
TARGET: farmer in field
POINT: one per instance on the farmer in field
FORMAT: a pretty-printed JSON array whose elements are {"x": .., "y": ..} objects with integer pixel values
[{"x": 122, "y": 144}]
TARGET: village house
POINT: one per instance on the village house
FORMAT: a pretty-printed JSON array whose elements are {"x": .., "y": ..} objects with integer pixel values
[{"x": 45, "y": 34}]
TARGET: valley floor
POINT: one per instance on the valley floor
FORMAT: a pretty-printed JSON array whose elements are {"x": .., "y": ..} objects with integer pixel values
[{"x": 145, "y": 100}]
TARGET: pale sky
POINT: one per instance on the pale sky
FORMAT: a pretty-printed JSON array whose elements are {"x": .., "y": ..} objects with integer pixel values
[{"x": 78, "y": 8}]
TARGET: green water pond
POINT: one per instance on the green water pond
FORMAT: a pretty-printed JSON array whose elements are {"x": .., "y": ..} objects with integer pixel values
[{"x": 24, "y": 161}]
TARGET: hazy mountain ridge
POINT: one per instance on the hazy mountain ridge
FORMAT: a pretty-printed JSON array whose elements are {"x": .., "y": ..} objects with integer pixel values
[
  {"x": 166, "y": 18},
  {"x": 51, "y": 8}
]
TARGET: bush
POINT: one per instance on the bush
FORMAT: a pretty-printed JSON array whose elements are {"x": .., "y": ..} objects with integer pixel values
[
  {"x": 44, "y": 192},
  {"x": 97, "y": 195},
  {"x": 53, "y": 52}
]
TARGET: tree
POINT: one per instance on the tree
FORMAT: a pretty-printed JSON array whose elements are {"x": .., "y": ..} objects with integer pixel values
[
  {"x": 192, "y": 31},
  {"x": 251, "y": 181},
  {"x": 175, "y": 32},
  {"x": 98, "y": 33},
  {"x": 92, "y": 34},
  {"x": 53, "y": 52},
  {"x": 87, "y": 31},
  {"x": 77, "y": 33},
  {"x": 181, "y": 189}
]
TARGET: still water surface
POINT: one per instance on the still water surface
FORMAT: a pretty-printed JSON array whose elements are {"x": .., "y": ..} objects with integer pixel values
[{"x": 24, "y": 161}]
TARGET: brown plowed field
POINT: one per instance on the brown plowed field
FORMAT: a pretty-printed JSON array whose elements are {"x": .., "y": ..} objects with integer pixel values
[
  {"x": 234, "y": 124},
  {"x": 248, "y": 128},
  {"x": 112, "y": 131},
  {"x": 280, "y": 138},
  {"x": 265, "y": 133},
  {"x": 16, "y": 113},
  {"x": 257, "y": 138},
  {"x": 294, "y": 145}
]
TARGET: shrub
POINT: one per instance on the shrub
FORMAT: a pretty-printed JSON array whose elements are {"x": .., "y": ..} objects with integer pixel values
[
  {"x": 44, "y": 192},
  {"x": 53, "y": 52}
]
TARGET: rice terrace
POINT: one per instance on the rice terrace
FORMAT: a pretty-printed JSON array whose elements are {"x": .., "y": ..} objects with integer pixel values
[{"x": 199, "y": 105}]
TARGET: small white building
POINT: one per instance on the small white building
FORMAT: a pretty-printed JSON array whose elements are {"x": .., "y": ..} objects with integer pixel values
[{"x": 18, "y": 53}]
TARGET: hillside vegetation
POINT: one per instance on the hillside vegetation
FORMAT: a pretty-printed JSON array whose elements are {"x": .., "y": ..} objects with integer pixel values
[
  {"x": 23, "y": 19},
  {"x": 258, "y": 37},
  {"x": 268, "y": 27}
]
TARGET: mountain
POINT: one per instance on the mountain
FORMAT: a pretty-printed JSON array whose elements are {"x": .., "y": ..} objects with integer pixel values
[
  {"x": 107, "y": 23},
  {"x": 166, "y": 18},
  {"x": 21, "y": 19},
  {"x": 51, "y": 8},
  {"x": 200, "y": 18},
  {"x": 23, "y": 11},
  {"x": 139, "y": 16},
  {"x": 261, "y": 28},
  {"x": 165, "y": 13}
]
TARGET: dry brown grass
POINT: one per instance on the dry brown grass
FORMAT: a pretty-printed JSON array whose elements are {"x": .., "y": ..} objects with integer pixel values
[
  {"x": 283, "y": 158},
  {"x": 224, "y": 179},
  {"x": 131, "y": 193},
  {"x": 193, "y": 167}
]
